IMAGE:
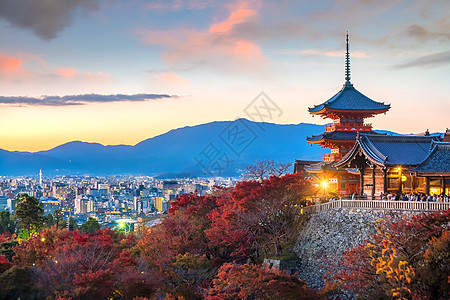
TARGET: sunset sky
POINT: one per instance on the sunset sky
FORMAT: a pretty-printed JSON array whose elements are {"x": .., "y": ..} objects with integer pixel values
[{"x": 118, "y": 72}]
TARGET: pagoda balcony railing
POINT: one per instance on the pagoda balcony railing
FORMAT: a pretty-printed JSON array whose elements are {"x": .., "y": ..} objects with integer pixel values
[
  {"x": 332, "y": 157},
  {"x": 418, "y": 206},
  {"x": 348, "y": 127}
]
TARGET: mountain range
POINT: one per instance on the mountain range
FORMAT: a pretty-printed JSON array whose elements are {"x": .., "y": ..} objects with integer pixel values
[{"x": 216, "y": 148}]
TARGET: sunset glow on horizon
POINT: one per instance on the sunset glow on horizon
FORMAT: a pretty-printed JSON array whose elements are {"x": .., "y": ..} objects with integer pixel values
[{"x": 119, "y": 72}]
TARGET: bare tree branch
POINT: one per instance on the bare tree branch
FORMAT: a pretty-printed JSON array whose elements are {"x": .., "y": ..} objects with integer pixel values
[{"x": 263, "y": 169}]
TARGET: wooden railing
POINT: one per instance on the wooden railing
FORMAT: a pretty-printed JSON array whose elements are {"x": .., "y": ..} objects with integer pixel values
[
  {"x": 379, "y": 205},
  {"x": 348, "y": 127}
]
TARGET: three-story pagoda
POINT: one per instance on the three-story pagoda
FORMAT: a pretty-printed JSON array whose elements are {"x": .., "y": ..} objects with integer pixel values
[{"x": 348, "y": 109}]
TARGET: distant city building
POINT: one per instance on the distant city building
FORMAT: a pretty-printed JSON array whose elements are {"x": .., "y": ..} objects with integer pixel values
[
  {"x": 4, "y": 203},
  {"x": 83, "y": 205},
  {"x": 106, "y": 198},
  {"x": 50, "y": 204}
]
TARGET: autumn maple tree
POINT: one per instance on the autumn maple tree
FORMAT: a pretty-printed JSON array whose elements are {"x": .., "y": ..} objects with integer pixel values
[
  {"x": 78, "y": 265},
  {"x": 405, "y": 259},
  {"x": 261, "y": 218},
  {"x": 253, "y": 281},
  {"x": 177, "y": 249}
]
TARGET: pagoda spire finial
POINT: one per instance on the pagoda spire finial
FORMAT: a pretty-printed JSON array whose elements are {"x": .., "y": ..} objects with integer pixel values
[{"x": 347, "y": 65}]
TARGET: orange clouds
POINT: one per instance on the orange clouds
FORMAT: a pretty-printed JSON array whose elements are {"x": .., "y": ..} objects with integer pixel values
[
  {"x": 31, "y": 71},
  {"x": 247, "y": 50},
  {"x": 67, "y": 73},
  {"x": 173, "y": 79},
  {"x": 9, "y": 64},
  {"x": 218, "y": 47},
  {"x": 240, "y": 15}
]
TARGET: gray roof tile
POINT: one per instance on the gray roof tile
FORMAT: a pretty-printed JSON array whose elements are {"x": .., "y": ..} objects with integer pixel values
[
  {"x": 391, "y": 150},
  {"x": 349, "y": 98},
  {"x": 437, "y": 160}
]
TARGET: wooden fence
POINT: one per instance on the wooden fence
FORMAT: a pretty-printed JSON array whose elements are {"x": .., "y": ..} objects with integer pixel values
[{"x": 379, "y": 205}]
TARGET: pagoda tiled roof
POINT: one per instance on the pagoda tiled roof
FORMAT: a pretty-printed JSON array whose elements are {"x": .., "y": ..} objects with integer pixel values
[
  {"x": 437, "y": 160},
  {"x": 385, "y": 150},
  {"x": 335, "y": 136},
  {"x": 350, "y": 99}
]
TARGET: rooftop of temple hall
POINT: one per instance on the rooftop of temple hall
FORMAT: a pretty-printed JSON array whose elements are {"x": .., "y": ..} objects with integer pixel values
[{"x": 388, "y": 150}]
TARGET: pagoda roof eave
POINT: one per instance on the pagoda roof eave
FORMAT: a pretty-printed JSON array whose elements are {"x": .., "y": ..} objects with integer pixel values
[
  {"x": 330, "y": 140},
  {"x": 349, "y": 100},
  {"x": 330, "y": 111},
  {"x": 335, "y": 136}
]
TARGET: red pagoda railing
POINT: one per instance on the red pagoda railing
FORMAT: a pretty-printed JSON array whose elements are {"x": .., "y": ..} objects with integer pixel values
[
  {"x": 348, "y": 127},
  {"x": 332, "y": 157}
]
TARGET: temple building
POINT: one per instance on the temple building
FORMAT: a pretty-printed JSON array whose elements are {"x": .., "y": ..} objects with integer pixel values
[
  {"x": 401, "y": 164},
  {"x": 366, "y": 163},
  {"x": 348, "y": 109}
]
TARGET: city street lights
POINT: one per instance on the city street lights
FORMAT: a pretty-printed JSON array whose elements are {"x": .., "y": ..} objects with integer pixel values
[{"x": 124, "y": 226}]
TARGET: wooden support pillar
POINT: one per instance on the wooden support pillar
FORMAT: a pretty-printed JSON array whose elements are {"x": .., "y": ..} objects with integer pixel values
[
  {"x": 443, "y": 185},
  {"x": 427, "y": 185},
  {"x": 373, "y": 183},
  {"x": 384, "y": 180},
  {"x": 361, "y": 180}
]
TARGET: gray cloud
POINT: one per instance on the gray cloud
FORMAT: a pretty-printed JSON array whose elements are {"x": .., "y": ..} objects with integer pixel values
[
  {"x": 421, "y": 33},
  {"x": 430, "y": 61},
  {"x": 180, "y": 5},
  {"x": 46, "y": 18},
  {"x": 79, "y": 99}
]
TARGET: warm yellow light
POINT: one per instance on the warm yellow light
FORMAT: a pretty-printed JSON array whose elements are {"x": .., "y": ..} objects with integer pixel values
[
  {"x": 121, "y": 225},
  {"x": 399, "y": 169},
  {"x": 324, "y": 184},
  {"x": 43, "y": 239}
]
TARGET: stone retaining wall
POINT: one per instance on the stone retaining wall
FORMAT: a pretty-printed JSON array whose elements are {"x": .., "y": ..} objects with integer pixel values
[{"x": 328, "y": 234}]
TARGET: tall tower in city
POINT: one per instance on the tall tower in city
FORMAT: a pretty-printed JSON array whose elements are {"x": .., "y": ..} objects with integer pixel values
[{"x": 40, "y": 177}]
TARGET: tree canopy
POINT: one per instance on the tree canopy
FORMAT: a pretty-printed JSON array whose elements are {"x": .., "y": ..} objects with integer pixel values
[{"x": 29, "y": 212}]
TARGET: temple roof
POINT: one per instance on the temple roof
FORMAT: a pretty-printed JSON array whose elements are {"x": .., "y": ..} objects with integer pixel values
[
  {"x": 437, "y": 160},
  {"x": 334, "y": 136},
  {"x": 385, "y": 150},
  {"x": 349, "y": 99}
]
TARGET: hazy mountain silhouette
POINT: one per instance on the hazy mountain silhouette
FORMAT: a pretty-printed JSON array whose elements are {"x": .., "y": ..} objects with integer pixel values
[{"x": 225, "y": 146}]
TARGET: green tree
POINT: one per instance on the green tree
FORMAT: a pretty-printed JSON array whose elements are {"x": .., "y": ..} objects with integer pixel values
[
  {"x": 7, "y": 249},
  {"x": 29, "y": 211},
  {"x": 72, "y": 224},
  {"x": 48, "y": 221},
  {"x": 8, "y": 222},
  {"x": 58, "y": 216},
  {"x": 90, "y": 226}
]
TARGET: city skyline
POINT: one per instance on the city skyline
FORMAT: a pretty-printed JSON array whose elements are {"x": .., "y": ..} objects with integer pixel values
[{"x": 119, "y": 72}]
